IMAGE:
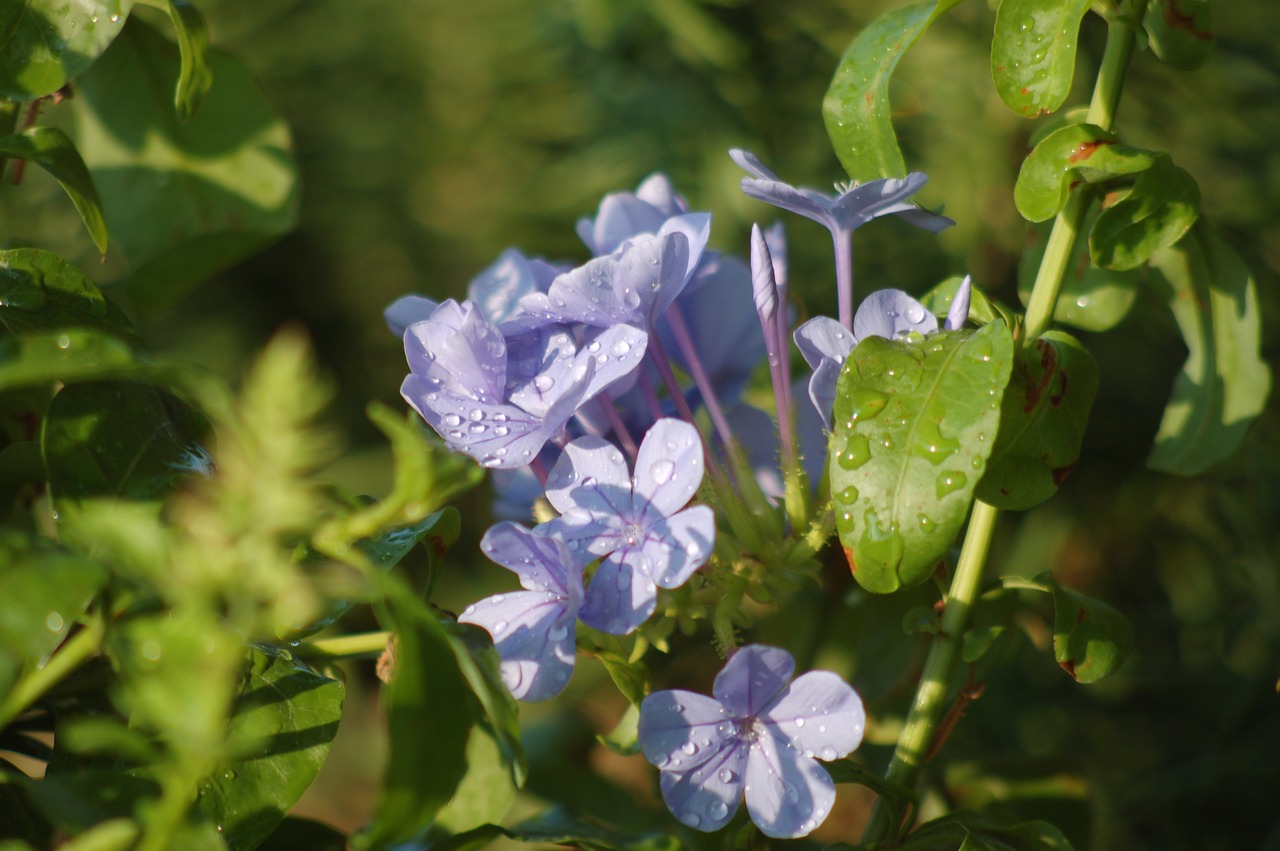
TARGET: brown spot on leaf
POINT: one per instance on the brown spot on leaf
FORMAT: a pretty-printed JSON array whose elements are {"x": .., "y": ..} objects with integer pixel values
[
  {"x": 1177, "y": 19},
  {"x": 1080, "y": 614},
  {"x": 1060, "y": 473},
  {"x": 1056, "y": 398},
  {"x": 1085, "y": 150},
  {"x": 1048, "y": 365},
  {"x": 1070, "y": 667},
  {"x": 853, "y": 565},
  {"x": 1023, "y": 90}
]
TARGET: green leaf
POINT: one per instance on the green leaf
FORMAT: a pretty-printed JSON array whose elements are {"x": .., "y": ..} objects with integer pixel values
[
  {"x": 1042, "y": 420},
  {"x": 49, "y": 148},
  {"x": 968, "y": 831},
  {"x": 557, "y": 827},
  {"x": 480, "y": 666},
  {"x": 938, "y": 301},
  {"x": 631, "y": 678},
  {"x": 914, "y": 424},
  {"x": 43, "y": 592},
  {"x": 195, "y": 77},
  {"x": 224, "y": 182},
  {"x": 45, "y": 43},
  {"x": 39, "y": 291},
  {"x": 121, "y": 439},
  {"x": 1090, "y": 639},
  {"x": 429, "y": 720},
  {"x": 1224, "y": 383},
  {"x": 299, "y": 834},
  {"x": 70, "y": 356},
  {"x": 486, "y": 791},
  {"x": 1033, "y": 53},
  {"x": 1091, "y": 298},
  {"x": 624, "y": 738},
  {"x": 283, "y": 722},
  {"x": 899, "y": 799},
  {"x": 856, "y": 106},
  {"x": 1180, "y": 32},
  {"x": 1065, "y": 156},
  {"x": 1154, "y": 213}
]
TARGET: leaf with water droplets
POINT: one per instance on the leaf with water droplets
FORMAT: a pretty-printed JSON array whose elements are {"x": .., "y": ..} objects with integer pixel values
[
  {"x": 1033, "y": 53},
  {"x": 1091, "y": 298},
  {"x": 1042, "y": 421},
  {"x": 914, "y": 424},
  {"x": 46, "y": 43}
]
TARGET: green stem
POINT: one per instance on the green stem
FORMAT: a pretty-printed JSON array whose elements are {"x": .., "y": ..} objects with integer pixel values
[
  {"x": 362, "y": 644},
  {"x": 74, "y": 652},
  {"x": 935, "y": 682}
]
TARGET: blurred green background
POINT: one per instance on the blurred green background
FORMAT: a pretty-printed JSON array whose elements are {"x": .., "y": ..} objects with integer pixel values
[{"x": 432, "y": 134}]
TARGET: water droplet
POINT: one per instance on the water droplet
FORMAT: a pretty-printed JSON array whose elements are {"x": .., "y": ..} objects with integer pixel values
[
  {"x": 692, "y": 819},
  {"x": 914, "y": 314},
  {"x": 501, "y": 431},
  {"x": 558, "y": 632},
  {"x": 64, "y": 342},
  {"x": 867, "y": 403},
  {"x": 689, "y": 748},
  {"x": 661, "y": 471},
  {"x": 543, "y": 383},
  {"x": 500, "y": 627},
  {"x": 478, "y": 428},
  {"x": 827, "y": 753},
  {"x": 848, "y": 496},
  {"x": 926, "y": 523},
  {"x": 727, "y": 775},
  {"x": 793, "y": 794},
  {"x": 718, "y": 810},
  {"x": 857, "y": 451},
  {"x": 799, "y": 721},
  {"x": 950, "y": 483},
  {"x": 620, "y": 348},
  {"x": 54, "y": 622},
  {"x": 589, "y": 482}
]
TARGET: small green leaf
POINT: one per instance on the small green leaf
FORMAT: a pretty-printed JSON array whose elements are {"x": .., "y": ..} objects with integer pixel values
[
  {"x": 1224, "y": 383},
  {"x": 856, "y": 106},
  {"x": 49, "y": 148},
  {"x": 45, "y": 43},
  {"x": 914, "y": 424},
  {"x": 631, "y": 678},
  {"x": 39, "y": 291},
  {"x": 557, "y": 827},
  {"x": 900, "y": 800},
  {"x": 1154, "y": 213},
  {"x": 1090, "y": 639},
  {"x": 195, "y": 76},
  {"x": 1033, "y": 53},
  {"x": 1067, "y": 155},
  {"x": 1042, "y": 420},
  {"x": 118, "y": 438},
  {"x": 938, "y": 301},
  {"x": 922, "y": 620},
  {"x": 969, "y": 831},
  {"x": 429, "y": 720},
  {"x": 1180, "y": 32},
  {"x": 486, "y": 791},
  {"x": 1091, "y": 298},
  {"x": 70, "y": 356},
  {"x": 283, "y": 722},
  {"x": 224, "y": 182},
  {"x": 624, "y": 738}
]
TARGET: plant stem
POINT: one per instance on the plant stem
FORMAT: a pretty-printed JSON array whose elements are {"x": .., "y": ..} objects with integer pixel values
[
  {"x": 74, "y": 652},
  {"x": 935, "y": 682},
  {"x": 344, "y": 646}
]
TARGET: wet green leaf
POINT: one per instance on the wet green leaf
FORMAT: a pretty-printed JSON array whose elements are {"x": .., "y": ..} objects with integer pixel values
[
  {"x": 486, "y": 791},
  {"x": 938, "y": 301},
  {"x": 914, "y": 424},
  {"x": 39, "y": 291},
  {"x": 1033, "y": 53},
  {"x": 1180, "y": 32},
  {"x": 223, "y": 182},
  {"x": 557, "y": 827},
  {"x": 45, "y": 43},
  {"x": 1091, "y": 298},
  {"x": 299, "y": 834},
  {"x": 1090, "y": 639},
  {"x": 1067, "y": 155},
  {"x": 1042, "y": 420},
  {"x": 856, "y": 106},
  {"x": 283, "y": 722},
  {"x": 121, "y": 439},
  {"x": 43, "y": 592},
  {"x": 1225, "y": 382},
  {"x": 1153, "y": 213},
  {"x": 69, "y": 356},
  {"x": 49, "y": 148},
  {"x": 195, "y": 77},
  {"x": 479, "y": 663}
]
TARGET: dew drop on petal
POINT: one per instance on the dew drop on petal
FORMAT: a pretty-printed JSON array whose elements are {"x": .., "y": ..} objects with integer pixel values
[
  {"x": 727, "y": 775},
  {"x": 718, "y": 810},
  {"x": 689, "y": 748},
  {"x": 452, "y": 420},
  {"x": 543, "y": 383},
  {"x": 589, "y": 482},
  {"x": 799, "y": 721},
  {"x": 661, "y": 471},
  {"x": 500, "y": 627},
  {"x": 828, "y": 753},
  {"x": 476, "y": 416},
  {"x": 558, "y": 632},
  {"x": 691, "y": 819}
]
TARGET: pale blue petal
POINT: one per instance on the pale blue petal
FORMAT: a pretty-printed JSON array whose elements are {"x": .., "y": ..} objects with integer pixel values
[
  {"x": 534, "y": 634},
  {"x": 407, "y": 310},
  {"x": 678, "y": 545},
  {"x": 819, "y": 714},
  {"x": 680, "y": 730},
  {"x": 752, "y": 678},
  {"x": 542, "y": 563},
  {"x": 669, "y": 469},
  {"x": 621, "y": 596},
  {"x": 751, "y": 164},
  {"x": 825, "y": 345},
  {"x": 708, "y": 796},
  {"x": 592, "y": 476},
  {"x": 891, "y": 313},
  {"x": 622, "y": 216},
  {"x": 658, "y": 190},
  {"x": 498, "y": 436},
  {"x": 618, "y": 353},
  {"x": 959, "y": 312},
  {"x": 462, "y": 348},
  {"x": 696, "y": 228},
  {"x": 788, "y": 794},
  {"x": 498, "y": 289}
]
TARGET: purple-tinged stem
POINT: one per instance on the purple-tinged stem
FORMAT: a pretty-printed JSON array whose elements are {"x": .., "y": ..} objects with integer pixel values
[
  {"x": 685, "y": 342},
  {"x": 605, "y": 403},
  {"x": 843, "y": 241},
  {"x": 539, "y": 470},
  {"x": 658, "y": 355},
  {"x": 650, "y": 394}
]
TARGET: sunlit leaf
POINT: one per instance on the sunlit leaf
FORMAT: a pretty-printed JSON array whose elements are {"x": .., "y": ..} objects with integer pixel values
[
  {"x": 49, "y": 148},
  {"x": 43, "y": 592},
  {"x": 1153, "y": 213},
  {"x": 1091, "y": 298},
  {"x": 480, "y": 666},
  {"x": 914, "y": 425},
  {"x": 1067, "y": 155},
  {"x": 45, "y": 43},
  {"x": 486, "y": 791},
  {"x": 194, "y": 77},
  {"x": 1042, "y": 420},
  {"x": 1090, "y": 639},
  {"x": 856, "y": 106},
  {"x": 1225, "y": 382},
  {"x": 1180, "y": 32},
  {"x": 1033, "y": 53}
]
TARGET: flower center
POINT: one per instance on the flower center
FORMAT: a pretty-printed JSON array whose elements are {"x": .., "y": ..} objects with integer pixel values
[{"x": 633, "y": 533}]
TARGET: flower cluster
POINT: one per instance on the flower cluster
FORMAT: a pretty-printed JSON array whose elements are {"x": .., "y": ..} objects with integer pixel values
[{"x": 565, "y": 380}]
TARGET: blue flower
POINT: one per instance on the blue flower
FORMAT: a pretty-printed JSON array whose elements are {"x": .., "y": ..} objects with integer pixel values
[
  {"x": 533, "y": 630},
  {"x": 634, "y": 522},
  {"x": 759, "y": 736},
  {"x": 502, "y": 414},
  {"x": 826, "y": 344}
]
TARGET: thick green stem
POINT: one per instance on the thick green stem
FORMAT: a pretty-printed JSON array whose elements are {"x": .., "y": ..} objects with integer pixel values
[
  {"x": 927, "y": 708},
  {"x": 363, "y": 644},
  {"x": 73, "y": 653}
]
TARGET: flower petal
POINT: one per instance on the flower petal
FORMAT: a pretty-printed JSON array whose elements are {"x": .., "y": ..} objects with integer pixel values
[
  {"x": 788, "y": 794},
  {"x": 751, "y": 164},
  {"x": 707, "y": 797},
  {"x": 541, "y": 562},
  {"x": 498, "y": 289},
  {"x": 808, "y": 203},
  {"x": 618, "y": 352},
  {"x": 752, "y": 678},
  {"x": 696, "y": 228},
  {"x": 501, "y": 436},
  {"x": 866, "y": 201},
  {"x": 819, "y": 714},
  {"x": 678, "y": 545},
  {"x": 621, "y": 596},
  {"x": 590, "y": 475},
  {"x": 825, "y": 345},
  {"x": 622, "y": 216},
  {"x": 407, "y": 310},
  {"x": 534, "y": 634},
  {"x": 462, "y": 348},
  {"x": 680, "y": 730},
  {"x": 889, "y": 313},
  {"x": 658, "y": 190},
  {"x": 959, "y": 312},
  {"x": 669, "y": 469}
]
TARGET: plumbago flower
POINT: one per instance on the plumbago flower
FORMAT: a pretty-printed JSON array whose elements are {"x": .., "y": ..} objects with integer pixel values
[
  {"x": 758, "y": 736},
  {"x": 635, "y": 522},
  {"x": 533, "y": 630},
  {"x": 892, "y": 314}
]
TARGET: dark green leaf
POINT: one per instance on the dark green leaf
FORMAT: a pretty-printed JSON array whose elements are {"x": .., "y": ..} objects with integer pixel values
[
  {"x": 973, "y": 832},
  {"x": 486, "y": 791},
  {"x": 70, "y": 356},
  {"x": 1154, "y": 213},
  {"x": 298, "y": 834},
  {"x": 993, "y": 614},
  {"x": 921, "y": 620},
  {"x": 479, "y": 664},
  {"x": 282, "y": 725},
  {"x": 1091, "y": 298},
  {"x": 49, "y": 148},
  {"x": 19, "y": 818},
  {"x": 1033, "y": 53},
  {"x": 121, "y": 439},
  {"x": 1042, "y": 421},
  {"x": 1090, "y": 639},
  {"x": 557, "y": 827},
  {"x": 900, "y": 800},
  {"x": 1180, "y": 32},
  {"x": 39, "y": 291},
  {"x": 856, "y": 106},
  {"x": 1067, "y": 155},
  {"x": 429, "y": 720},
  {"x": 45, "y": 43},
  {"x": 624, "y": 739},
  {"x": 195, "y": 77},
  {"x": 1224, "y": 383},
  {"x": 224, "y": 182},
  {"x": 914, "y": 425}
]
